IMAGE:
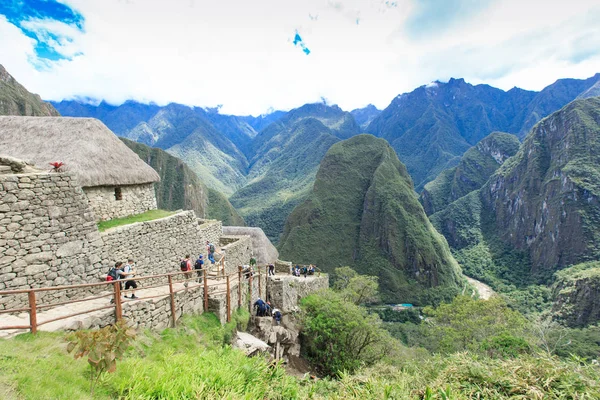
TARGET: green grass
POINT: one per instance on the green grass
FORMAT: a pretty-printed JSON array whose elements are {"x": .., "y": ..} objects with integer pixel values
[
  {"x": 193, "y": 361},
  {"x": 147, "y": 216}
]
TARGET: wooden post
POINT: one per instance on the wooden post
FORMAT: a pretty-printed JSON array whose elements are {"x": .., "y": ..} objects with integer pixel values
[
  {"x": 172, "y": 296},
  {"x": 32, "y": 312},
  {"x": 205, "y": 292},
  {"x": 222, "y": 260},
  {"x": 228, "y": 301},
  {"x": 259, "y": 284},
  {"x": 239, "y": 286},
  {"x": 250, "y": 294},
  {"x": 267, "y": 282},
  {"x": 118, "y": 306}
]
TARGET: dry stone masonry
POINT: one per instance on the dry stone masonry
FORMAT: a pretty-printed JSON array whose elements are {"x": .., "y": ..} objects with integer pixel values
[{"x": 110, "y": 202}]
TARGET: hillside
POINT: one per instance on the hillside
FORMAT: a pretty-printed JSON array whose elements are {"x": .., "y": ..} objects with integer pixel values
[
  {"x": 364, "y": 116},
  {"x": 286, "y": 157},
  {"x": 363, "y": 212},
  {"x": 16, "y": 100},
  {"x": 539, "y": 212},
  {"x": 180, "y": 188},
  {"x": 431, "y": 127},
  {"x": 577, "y": 295},
  {"x": 474, "y": 169}
]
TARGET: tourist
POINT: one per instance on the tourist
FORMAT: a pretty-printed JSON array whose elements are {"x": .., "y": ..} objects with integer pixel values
[
  {"x": 117, "y": 271},
  {"x": 268, "y": 309},
  {"x": 305, "y": 271},
  {"x": 129, "y": 272},
  {"x": 210, "y": 249},
  {"x": 297, "y": 271},
  {"x": 198, "y": 266},
  {"x": 311, "y": 269},
  {"x": 186, "y": 266},
  {"x": 260, "y": 307},
  {"x": 277, "y": 316},
  {"x": 271, "y": 270}
]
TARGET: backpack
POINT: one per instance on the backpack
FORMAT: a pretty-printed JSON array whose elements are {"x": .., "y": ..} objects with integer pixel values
[
  {"x": 112, "y": 273},
  {"x": 183, "y": 265},
  {"x": 199, "y": 263},
  {"x": 211, "y": 248}
]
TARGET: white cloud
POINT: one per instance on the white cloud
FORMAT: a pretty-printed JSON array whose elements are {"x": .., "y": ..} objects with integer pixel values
[{"x": 240, "y": 53}]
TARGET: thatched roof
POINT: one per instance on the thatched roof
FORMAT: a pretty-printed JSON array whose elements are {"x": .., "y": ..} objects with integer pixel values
[{"x": 86, "y": 146}]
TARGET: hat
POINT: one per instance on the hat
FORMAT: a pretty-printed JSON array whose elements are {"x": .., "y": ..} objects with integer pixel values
[{"x": 200, "y": 256}]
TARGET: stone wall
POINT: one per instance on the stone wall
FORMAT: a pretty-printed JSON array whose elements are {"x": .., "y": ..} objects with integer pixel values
[
  {"x": 217, "y": 304},
  {"x": 135, "y": 199},
  {"x": 158, "y": 246},
  {"x": 237, "y": 251},
  {"x": 47, "y": 233},
  {"x": 286, "y": 291}
]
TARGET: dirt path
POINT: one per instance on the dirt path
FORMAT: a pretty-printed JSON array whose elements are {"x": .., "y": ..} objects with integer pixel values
[{"x": 485, "y": 292}]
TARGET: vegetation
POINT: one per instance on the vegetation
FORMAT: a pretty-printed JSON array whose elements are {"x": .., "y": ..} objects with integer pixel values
[
  {"x": 576, "y": 295},
  {"x": 143, "y": 217},
  {"x": 180, "y": 189},
  {"x": 363, "y": 213},
  {"x": 102, "y": 347},
  {"x": 474, "y": 169}
]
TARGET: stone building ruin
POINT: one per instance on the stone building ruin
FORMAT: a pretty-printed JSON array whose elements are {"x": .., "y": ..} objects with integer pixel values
[{"x": 115, "y": 180}]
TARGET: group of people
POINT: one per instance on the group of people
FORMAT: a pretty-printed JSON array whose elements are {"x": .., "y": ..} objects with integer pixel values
[
  {"x": 305, "y": 270},
  {"x": 187, "y": 266},
  {"x": 264, "y": 309},
  {"x": 124, "y": 272}
]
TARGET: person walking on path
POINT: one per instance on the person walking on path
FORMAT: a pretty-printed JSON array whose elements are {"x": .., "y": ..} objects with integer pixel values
[
  {"x": 271, "y": 269},
  {"x": 129, "y": 272},
  {"x": 210, "y": 250},
  {"x": 186, "y": 266},
  {"x": 277, "y": 316},
  {"x": 198, "y": 266}
]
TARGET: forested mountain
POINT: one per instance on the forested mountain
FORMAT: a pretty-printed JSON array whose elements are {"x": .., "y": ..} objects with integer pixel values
[
  {"x": 16, "y": 100},
  {"x": 539, "y": 212},
  {"x": 474, "y": 169},
  {"x": 365, "y": 115},
  {"x": 363, "y": 212},
  {"x": 431, "y": 127},
  {"x": 180, "y": 187},
  {"x": 286, "y": 158}
]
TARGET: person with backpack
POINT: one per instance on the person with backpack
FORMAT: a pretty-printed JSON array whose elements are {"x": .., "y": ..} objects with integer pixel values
[
  {"x": 186, "y": 266},
  {"x": 115, "y": 274},
  {"x": 198, "y": 266},
  {"x": 128, "y": 274},
  {"x": 277, "y": 316},
  {"x": 260, "y": 307},
  {"x": 210, "y": 249}
]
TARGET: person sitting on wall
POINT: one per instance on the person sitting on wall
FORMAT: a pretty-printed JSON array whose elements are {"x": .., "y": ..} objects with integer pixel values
[
  {"x": 304, "y": 271},
  {"x": 297, "y": 271},
  {"x": 311, "y": 269},
  {"x": 128, "y": 274}
]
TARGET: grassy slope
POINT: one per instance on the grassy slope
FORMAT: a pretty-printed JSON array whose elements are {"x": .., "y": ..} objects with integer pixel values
[
  {"x": 146, "y": 216},
  {"x": 192, "y": 362},
  {"x": 180, "y": 188},
  {"x": 363, "y": 212}
]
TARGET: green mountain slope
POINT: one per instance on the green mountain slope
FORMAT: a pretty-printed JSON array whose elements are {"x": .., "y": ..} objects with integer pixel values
[
  {"x": 474, "y": 169},
  {"x": 16, "y": 100},
  {"x": 364, "y": 116},
  {"x": 180, "y": 188},
  {"x": 539, "y": 212},
  {"x": 287, "y": 156},
  {"x": 363, "y": 212}
]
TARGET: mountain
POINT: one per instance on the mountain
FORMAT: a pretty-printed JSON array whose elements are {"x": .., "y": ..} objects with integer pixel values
[
  {"x": 16, "y": 100},
  {"x": 576, "y": 295},
  {"x": 540, "y": 210},
  {"x": 475, "y": 167},
  {"x": 363, "y": 212},
  {"x": 364, "y": 116},
  {"x": 431, "y": 127},
  {"x": 180, "y": 188},
  {"x": 286, "y": 157}
]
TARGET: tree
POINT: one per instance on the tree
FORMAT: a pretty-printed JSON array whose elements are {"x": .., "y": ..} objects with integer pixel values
[
  {"x": 339, "y": 335},
  {"x": 358, "y": 289}
]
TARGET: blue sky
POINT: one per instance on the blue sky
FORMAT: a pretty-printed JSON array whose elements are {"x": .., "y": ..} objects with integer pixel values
[{"x": 254, "y": 55}]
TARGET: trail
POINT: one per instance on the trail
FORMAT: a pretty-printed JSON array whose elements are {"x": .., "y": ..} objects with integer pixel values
[{"x": 485, "y": 292}]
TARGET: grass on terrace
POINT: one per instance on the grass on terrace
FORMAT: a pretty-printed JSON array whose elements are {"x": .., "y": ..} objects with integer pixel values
[{"x": 147, "y": 216}]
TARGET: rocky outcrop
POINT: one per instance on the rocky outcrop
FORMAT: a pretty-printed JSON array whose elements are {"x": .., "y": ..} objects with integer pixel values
[
  {"x": 283, "y": 338},
  {"x": 250, "y": 345},
  {"x": 264, "y": 251},
  {"x": 577, "y": 295},
  {"x": 545, "y": 200}
]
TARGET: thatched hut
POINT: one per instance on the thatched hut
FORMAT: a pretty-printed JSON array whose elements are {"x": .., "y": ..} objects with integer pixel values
[{"x": 116, "y": 181}]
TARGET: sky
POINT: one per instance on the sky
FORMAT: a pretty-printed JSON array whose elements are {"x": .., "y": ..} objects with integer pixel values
[{"x": 253, "y": 56}]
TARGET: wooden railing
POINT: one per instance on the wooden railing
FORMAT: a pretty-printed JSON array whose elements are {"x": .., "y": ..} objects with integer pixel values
[{"x": 168, "y": 279}]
